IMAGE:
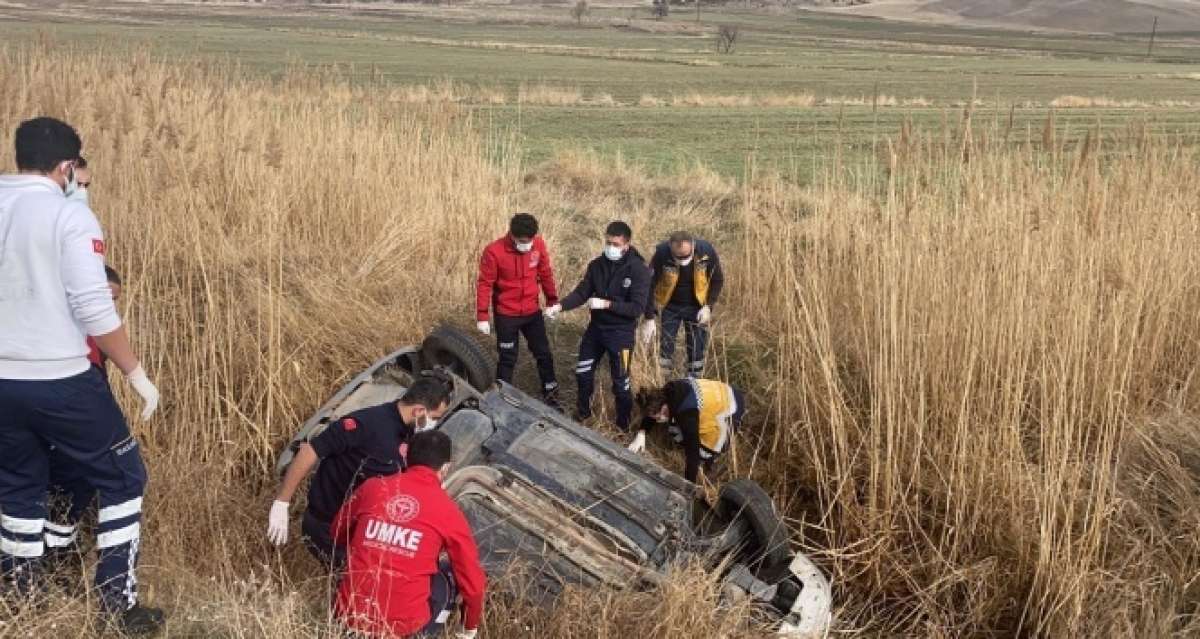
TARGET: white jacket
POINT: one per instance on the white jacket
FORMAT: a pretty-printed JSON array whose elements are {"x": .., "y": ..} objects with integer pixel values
[{"x": 53, "y": 291}]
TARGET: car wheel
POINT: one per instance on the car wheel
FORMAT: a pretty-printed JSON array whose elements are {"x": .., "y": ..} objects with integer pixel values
[
  {"x": 767, "y": 553},
  {"x": 449, "y": 347}
]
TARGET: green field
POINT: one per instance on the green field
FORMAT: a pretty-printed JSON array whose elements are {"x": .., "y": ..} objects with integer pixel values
[{"x": 865, "y": 76}]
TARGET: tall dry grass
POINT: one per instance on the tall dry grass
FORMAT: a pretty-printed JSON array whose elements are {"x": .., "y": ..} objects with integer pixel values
[{"x": 970, "y": 364}]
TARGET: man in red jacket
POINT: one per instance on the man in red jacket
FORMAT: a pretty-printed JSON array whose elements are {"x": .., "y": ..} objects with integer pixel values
[
  {"x": 512, "y": 272},
  {"x": 396, "y": 528}
]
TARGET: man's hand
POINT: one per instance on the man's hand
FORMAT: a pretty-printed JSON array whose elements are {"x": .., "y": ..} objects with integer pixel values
[
  {"x": 484, "y": 327},
  {"x": 144, "y": 387},
  {"x": 704, "y": 316},
  {"x": 277, "y": 523},
  {"x": 553, "y": 311},
  {"x": 639, "y": 443},
  {"x": 598, "y": 304},
  {"x": 466, "y": 634},
  {"x": 647, "y": 331}
]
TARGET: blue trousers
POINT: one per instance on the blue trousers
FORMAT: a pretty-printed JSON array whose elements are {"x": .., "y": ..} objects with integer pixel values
[
  {"x": 443, "y": 595},
  {"x": 617, "y": 345},
  {"x": 77, "y": 420},
  {"x": 695, "y": 336}
]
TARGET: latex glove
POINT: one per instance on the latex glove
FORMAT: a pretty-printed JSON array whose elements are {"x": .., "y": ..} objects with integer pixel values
[
  {"x": 144, "y": 387},
  {"x": 647, "y": 331},
  {"x": 484, "y": 327},
  {"x": 704, "y": 316},
  {"x": 466, "y": 634},
  {"x": 277, "y": 523},
  {"x": 553, "y": 311},
  {"x": 639, "y": 443},
  {"x": 598, "y": 304}
]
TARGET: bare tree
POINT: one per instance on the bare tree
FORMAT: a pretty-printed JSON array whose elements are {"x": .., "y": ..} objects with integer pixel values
[
  {"x": 727, "y": 36},
  {"x": 580, "y": 11},
  {"x": 660, "y": 9}
]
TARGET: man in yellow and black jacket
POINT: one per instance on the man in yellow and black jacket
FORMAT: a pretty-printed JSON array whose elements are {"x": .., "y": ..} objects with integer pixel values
[
  {"x": 700, "y": 414},
  {"x": 685, "y": 285}
]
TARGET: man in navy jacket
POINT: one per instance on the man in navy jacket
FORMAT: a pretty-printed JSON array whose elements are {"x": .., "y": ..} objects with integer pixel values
[{"x": 616, "y": 288}]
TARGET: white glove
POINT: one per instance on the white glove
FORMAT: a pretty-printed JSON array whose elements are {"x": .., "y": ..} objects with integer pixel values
[
  {"x": 144, "y": 387},
  {"x": 639, "y": 442},
  {"x": 484, "y": 327},
  {"x": 649, "y": 328},
  {"x": 277, "y": 523},
  {"x": 598, "y": 304},
  {"x": 466, "y": 634},
  {"x": 704, "y": 316},
  {"x": 553, "y": 311}
]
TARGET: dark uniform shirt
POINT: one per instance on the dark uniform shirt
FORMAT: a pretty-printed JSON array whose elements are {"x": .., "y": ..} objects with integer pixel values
[
  {"x": 361, "y": 445},
  {"x": 685, "y": 288}
]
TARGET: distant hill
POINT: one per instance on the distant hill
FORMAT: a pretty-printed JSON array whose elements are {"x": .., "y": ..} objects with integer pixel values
[{"x": 1104, "y": 16}]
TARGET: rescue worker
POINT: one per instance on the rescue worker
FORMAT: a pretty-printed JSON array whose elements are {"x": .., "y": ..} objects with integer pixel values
[
  {"x": 53, "y": 294},
  {"x": 700, "y": 414},
  {"x": 366, "y": 443},
  {"x": 395, "y": 529},
  {"x": 686, "y": 283},
  {"x": 70, "y": 493},
  {"x": 513, "y": 272},
  {"x": 615, "y": 288}
]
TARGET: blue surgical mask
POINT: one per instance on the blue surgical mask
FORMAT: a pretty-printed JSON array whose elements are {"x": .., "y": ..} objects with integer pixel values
[
  {"x": 71, "y": 185},
  {"x": 80, "y": 194},
  {"x": 613, "y": 253}
]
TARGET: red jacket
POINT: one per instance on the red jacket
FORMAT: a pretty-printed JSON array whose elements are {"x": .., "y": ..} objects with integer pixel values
[
  {"x": 95, "y": 355},
  {"x": 394, "y": 528},
  {"x": 509, "y": 279}
]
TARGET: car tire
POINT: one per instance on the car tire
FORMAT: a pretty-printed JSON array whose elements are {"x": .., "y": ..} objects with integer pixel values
[
  {"x": 449, "y": 347},
  {"x": 768, "y": 554}
]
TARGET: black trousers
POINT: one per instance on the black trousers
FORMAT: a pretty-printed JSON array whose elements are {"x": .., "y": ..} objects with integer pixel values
[
  {"x": 318, "y": 538},
  {"x": 509, "y": 330},
  {"x": 77, "y": 421}
]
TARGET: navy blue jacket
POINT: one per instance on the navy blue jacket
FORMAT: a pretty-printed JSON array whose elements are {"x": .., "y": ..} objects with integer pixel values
[{"x": 625, "y": 283}]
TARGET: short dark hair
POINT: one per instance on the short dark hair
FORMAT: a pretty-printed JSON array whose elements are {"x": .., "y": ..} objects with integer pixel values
[
  {"x": 523, "y": 225},
  {"x": 650, "y": 400},
  {"x": 112, "y": 275},
  {"x": 42, "y": 143},
  {"x": 81, "y": 162},
  {"x": 431, "y": 448},
  {"x": 618, "y": 229},
  {"x": 429, "y": 389},
  {"x": 679, "y": 237}
]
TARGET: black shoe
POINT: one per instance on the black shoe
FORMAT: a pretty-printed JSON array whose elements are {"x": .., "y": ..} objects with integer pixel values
[{"x": 140, "y": 621}]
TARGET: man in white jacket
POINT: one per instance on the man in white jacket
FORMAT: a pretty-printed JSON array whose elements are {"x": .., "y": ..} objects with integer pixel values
[{"x": 53, "y": 295}]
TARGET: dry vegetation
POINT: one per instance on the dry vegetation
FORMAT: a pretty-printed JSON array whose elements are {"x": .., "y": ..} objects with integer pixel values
[{"x": 971, "y": 369}]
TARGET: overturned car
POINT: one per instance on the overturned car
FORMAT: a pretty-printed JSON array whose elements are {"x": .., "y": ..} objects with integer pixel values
[{"x": 555, "y": 499}]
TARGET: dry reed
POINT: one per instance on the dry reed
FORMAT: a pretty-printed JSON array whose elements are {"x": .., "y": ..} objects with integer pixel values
[{"x": 970, "y": 365}]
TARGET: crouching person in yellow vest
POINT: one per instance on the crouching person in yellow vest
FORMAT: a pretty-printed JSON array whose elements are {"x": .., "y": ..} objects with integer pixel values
[
  {"x": 700, "y": 414},
  {"x": 685, "y": 285}
]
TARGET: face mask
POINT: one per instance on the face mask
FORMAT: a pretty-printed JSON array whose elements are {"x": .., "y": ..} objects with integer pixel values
[
  {"x": 613, "y": 253},
  {"x": 683, "y": 261},
  {"x": 72, "y": 186},
  {"x": 524, "y": 247},
  {"x": 430, "y": 424}
]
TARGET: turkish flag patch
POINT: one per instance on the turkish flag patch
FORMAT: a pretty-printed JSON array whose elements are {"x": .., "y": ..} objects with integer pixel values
[
  {"x": 349, "y": 424},
  {"x": 98, "y": 246}
]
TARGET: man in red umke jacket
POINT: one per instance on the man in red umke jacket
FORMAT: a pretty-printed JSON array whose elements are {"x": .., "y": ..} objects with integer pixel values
[
  {"x": 513, "y": 272},
  {"x": 395, "y": 528}
]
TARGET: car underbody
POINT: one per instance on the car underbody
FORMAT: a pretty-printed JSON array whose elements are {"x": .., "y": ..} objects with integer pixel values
[{"x": 568, "y": 507}]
